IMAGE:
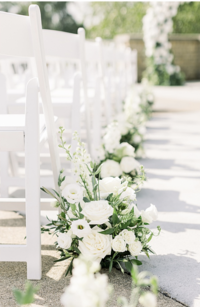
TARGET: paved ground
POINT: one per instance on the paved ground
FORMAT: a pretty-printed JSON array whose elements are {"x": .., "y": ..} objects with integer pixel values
[
  {"x": 173, "y": 170},
  {"x": 53, "y": 280}
]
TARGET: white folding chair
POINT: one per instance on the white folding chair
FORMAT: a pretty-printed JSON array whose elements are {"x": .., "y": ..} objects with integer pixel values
[
  {"x": 57, "y": 46},
  {"x": 21, "y": 36}
]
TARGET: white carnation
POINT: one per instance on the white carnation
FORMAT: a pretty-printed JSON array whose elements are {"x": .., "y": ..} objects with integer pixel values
[
  {"x": 129, "y": 194},
  {"x": 135, "y": 248},
  {"x": 128, "y": 236},
  {"x": 110, "y": 168},
  {"x": 96, "y": 245},
  {"x": 136, "y": 211},
  {"x": 109, "y": 185},
  {"x": 125, "y": 149},
  {"x": 64, "y": 240},
  {"x": 98, "y": 211},
  {"x": 118, "y": 244},
  {"x": 150, "y": 214},
  {"x": 129, "y": 164}
]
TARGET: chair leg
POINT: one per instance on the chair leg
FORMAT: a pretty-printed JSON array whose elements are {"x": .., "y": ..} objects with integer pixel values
[
  {"x": 75, "y": 118},
  {"x": 4, "y": 174},
  {"x": 32, "y": 182}
]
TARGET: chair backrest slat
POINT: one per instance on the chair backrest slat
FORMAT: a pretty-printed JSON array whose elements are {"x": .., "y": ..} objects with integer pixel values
[
  {"x": 70, "y": 44},
  {"x": 15, "y": 35}
]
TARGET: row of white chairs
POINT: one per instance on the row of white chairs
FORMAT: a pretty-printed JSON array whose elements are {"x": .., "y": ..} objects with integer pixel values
[{"x": 101, "y": 73}]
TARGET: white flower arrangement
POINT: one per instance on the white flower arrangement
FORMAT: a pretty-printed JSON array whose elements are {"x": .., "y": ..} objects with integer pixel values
[
  {"x": 157, "y": 24},
  {"x": 89, "y": 288},
  {"x": 99, "y": 219}
]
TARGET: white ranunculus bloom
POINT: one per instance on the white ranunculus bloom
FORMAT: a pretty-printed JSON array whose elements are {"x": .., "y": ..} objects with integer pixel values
[
  {"x": 80, "y": 228},
  {"x": 135, "y": 248},
  {"x": 98, "y": 211},
  {"x": 148, "y": 299},
  {"x": 128, "y": 194},
  {"x": 128, "y": 236},
  {"x": 73, "y": 193},
  {"x": 150, "y": 214},
  {"x": 110, "y": 168},
  {"x": 96, "y": 245},
  {"x": 129, "y": 164},
  {"x": 64, "y": 239},
  {"x": 109, "y": 185},
  {"x": 118, "y": 244},
  {"x": 136, "y": 211},
  {"x": 125, "y": 149}
]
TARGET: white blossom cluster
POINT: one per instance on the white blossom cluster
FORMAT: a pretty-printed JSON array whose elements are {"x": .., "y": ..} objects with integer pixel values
[
  {"x": 86, "y": 289},
  {"x": 95, "y": 245},
  {"x": 89, "y": 288},
  {"x": 157, "y": 24}
]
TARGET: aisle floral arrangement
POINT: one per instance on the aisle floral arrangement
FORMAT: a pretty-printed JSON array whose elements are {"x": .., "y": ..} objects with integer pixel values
[
  {"x": 89, "y": 288},
  {"x": 157, "y": 24},
  {"x": 98, "y": 218}
]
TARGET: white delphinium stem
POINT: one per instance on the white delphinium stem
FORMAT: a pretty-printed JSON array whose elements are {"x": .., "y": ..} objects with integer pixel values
[{"x": 86, "y": 289}]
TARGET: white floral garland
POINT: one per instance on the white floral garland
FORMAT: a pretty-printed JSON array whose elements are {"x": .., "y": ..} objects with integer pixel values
[{"x": 157, "y": 24}]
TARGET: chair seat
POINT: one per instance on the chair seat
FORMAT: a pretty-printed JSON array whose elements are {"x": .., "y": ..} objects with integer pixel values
[
  {"x": 12, "y": 131},
  {"x": 16, "y": 122}
]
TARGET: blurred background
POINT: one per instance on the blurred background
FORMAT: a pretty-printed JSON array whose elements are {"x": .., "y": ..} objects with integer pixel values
[{"x": 122, "y": 21}]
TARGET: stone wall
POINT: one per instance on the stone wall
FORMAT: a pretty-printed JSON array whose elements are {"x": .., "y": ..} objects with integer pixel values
[{"x": 185, "y": 47}]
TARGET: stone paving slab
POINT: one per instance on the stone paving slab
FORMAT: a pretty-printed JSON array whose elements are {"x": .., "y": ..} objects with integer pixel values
[
  {"x": 172, "y": 165},
  {"x": 53, "y": 282}
]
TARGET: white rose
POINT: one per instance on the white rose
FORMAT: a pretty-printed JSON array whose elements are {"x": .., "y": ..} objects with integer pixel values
[
  {"x": 129, "y": 194},
  {"x": 64, "y": 240},
  {"x": 125, "y": 149},
  {"x": 150, "y": 214},
  {"x": 148, "y": 299},
  {"x": 96, "y": 245},
  {"x": 128, "y": 164},
  {"x": 135, "y": 248},
  {"x": 98, "y": 211},
  {"x": 136, "y": 211},
  {"x": 109, "y": 185},
  {"x": 128, "y": 236},
  {"x": 73, "y": 193},
  {"x": 118, "y": 244},
  {"x": 110, "y": 168},
  {"x": 80, "y": 228}
]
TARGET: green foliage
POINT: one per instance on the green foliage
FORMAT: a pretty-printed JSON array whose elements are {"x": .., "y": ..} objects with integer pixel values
[
  {"x": 157, "y": 75},
  {"x": 54, "y": 14},
  {"x": 26, "y": 297},
  {"x": 117, "y": 18},
  {"x": 187, "y": 18}
]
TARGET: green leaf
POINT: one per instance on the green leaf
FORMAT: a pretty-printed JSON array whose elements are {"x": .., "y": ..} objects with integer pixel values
[
  {"x": 86, "y": 200},
  {"x": 62, "y": 259},
  {"x": 115, "y": 218},
  {"x": 128, "y": 266},
  {"x": 135, "y": 261},
  {"x": 107, "y": 231},
  {"x": 26, "y": 297}
]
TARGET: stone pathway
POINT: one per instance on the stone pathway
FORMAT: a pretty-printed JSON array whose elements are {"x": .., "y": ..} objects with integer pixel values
[{"x": 173, "y": 170}]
